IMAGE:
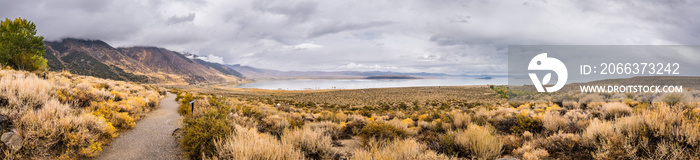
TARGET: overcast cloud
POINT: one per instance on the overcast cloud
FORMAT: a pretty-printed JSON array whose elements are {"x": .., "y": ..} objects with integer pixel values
[{"x": 456, "y": 37}]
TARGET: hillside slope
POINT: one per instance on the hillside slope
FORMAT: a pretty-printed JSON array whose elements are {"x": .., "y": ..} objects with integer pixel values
[{"x": 140, "y": 64}]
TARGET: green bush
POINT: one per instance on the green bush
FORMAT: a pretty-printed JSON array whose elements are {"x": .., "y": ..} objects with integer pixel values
[
  {"x": 200, "y": 132},
  {"x": 185, "y": 106},
  {"x": 447, "y": 145},
  {"x": 525, "y": 123},
  {"x": 19, "y": 47}
]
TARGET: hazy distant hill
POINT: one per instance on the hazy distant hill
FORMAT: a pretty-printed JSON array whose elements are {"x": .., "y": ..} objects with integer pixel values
[
  {"x": 392, "y": 77},
  {"x": 258, "y": 73},
  {"x": 141, "y": 64}
]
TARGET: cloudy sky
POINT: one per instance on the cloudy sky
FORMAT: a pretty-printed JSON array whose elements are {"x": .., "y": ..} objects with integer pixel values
[{"x": 455, "y": 37}]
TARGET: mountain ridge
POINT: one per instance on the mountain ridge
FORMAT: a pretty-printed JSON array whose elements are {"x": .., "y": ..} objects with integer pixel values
[{"x": 146, "y": 64}]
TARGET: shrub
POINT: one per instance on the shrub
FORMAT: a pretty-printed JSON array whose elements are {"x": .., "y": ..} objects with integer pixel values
[
  {"x": 479, "y": 142},
  {"x": 381, "y": 132},
  {"x": 123, "y": 120},
  {"x": 295, "y": 123},
  {"x": 446, "y": 145},
  {"x": 423, "y": 125},
  {"x": 313, "y": 143},
  {"x": 592, "y": 100},
  {"x": 399, "y": 124},
  {"x": 356, "y": 117},
  {"x": 53, "y": 128},
  {"x": 398, "y": 149},
  {"x": 578, "y": 120},
  {"x": 503, "y": 119},
  {"x": 554, "y": 122},
  {"x": 525, "y": 122},
  {"x": 247, "y": 143},
  {"x": 83, "y": 98},
  {"x": 200, "y": 132},
  {"x": 598, "y": 130},
  {"x": 511, "y": 142},
  {"x": 460, "y": 120},
  {"x": 568, "y": 104},
  {"x": 24, "y": 91},
  {"x": 501, "y": 90},
  {"x": 185, "y": 107},
  {"x": 340, "y": 117},
  {"x": 326, "y": 127},
  {"x": 353, "y": 128},
  {"x": 672, "y": 99},
  {"x": 613, "y": 110},
  {"x": 566, "y": 146},
  {"x": 528, "y": 152},
  {"x": 274, "y": 125},
  {"x": 409, "y": 122}
]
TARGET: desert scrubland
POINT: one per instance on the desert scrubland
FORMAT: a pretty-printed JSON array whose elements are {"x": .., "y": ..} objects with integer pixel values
[{"x": 461, "y": 122}]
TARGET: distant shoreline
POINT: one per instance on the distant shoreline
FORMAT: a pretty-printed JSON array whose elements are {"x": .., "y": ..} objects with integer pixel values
[{"x": 393, "y": 77}]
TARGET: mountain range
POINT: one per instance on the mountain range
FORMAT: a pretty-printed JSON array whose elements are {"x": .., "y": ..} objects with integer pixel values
[
  {"x": 159, "y": 65},
  {"x": 140, "y": 64}
]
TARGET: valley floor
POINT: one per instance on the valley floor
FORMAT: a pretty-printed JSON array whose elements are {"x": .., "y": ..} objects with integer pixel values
[{"x": 455, "y": 122}]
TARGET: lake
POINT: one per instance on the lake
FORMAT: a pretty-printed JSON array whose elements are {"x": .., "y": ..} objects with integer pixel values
[{"x": 307, "y": 84}]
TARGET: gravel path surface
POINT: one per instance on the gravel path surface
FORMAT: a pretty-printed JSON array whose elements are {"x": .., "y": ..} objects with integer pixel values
[{"x": 151, "y": 138}]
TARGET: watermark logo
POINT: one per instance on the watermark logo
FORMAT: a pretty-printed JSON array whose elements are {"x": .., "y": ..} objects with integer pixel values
[{"x": 544, "y": 63}]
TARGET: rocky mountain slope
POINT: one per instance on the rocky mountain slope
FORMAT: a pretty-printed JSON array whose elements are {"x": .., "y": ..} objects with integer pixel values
[{"x": 140, "y": 64}]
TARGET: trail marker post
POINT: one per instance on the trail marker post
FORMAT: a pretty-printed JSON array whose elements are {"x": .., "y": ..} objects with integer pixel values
[{"x": 192, "y": 103}]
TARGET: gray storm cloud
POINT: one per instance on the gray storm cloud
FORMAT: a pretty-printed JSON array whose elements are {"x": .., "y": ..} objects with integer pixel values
[
  {"x": 180, "y": 19},
  {"x": 456, "y": 37}
]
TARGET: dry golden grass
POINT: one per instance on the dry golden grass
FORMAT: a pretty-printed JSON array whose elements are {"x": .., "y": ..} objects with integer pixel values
[
  {"x": 247, "y": 143},
  {"x": 613, "y": 110},
  {"x": 527, "y": 152},
  {"x": 460, "y": 120},
  {"x": 60, "y": 116},
  {"x": 327, "y": 128},
  {"x": 553, "y": 121},
  {"x": 397, "y": 149},
  {"x": 479, "y": 142},
  {"x": 312, "y": 142}
]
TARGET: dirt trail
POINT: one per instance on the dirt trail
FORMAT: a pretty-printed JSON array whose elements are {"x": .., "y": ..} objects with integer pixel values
[{"x": 151, "y": 138}]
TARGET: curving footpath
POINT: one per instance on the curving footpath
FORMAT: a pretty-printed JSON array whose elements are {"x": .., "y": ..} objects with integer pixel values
[{"x": 151, "y": 138}]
